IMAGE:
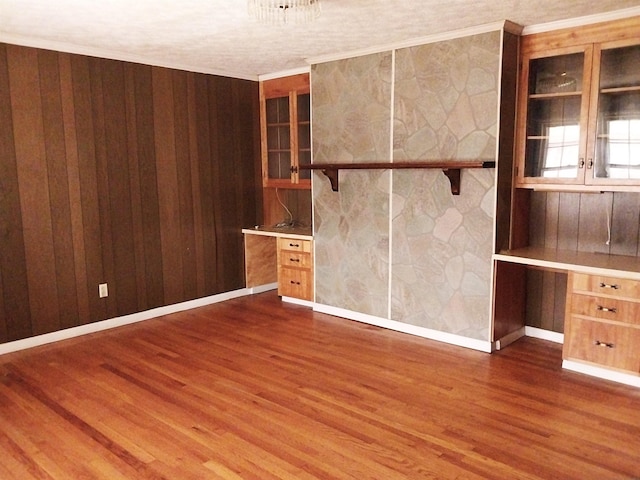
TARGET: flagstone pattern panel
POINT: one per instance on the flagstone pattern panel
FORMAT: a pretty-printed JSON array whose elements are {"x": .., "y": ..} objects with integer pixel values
[
  {"x": 352, "y": 123},
  {"x": 446, "y": 99}
]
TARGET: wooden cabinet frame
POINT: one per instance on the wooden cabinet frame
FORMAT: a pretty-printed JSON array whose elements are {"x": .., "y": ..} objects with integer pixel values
[
  {"x": 289, "y": 87},
  {"x": 591, "y": 40}
]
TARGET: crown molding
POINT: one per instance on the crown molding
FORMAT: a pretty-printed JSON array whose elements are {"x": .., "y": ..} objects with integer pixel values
[
  {"x": 284, "y": 73},
  {"x": 113, "y": 55},
  {"x": 438, "y": 37},
  {"x": 581, "y": 21}
]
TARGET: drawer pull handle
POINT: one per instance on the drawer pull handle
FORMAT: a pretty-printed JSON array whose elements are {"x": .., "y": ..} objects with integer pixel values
[
  {"x": 296, "y": 245},
  {"x": 609, "y": 285},
  {"x": 598, "y": 343},
  {"x": 294, "y": 260},
  {"x": 606, "y": 309},
  {"x": 294, "y": 283}
]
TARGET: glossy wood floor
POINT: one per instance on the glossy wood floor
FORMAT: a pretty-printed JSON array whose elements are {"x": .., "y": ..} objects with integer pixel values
[{"x": 254, "y": 389}]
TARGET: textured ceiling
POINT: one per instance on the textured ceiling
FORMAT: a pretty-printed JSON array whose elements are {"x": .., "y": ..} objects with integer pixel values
[{"x": 217, "y": 36}]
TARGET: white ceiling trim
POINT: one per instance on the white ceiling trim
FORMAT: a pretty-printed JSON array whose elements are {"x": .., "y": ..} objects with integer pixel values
[
  {"x": 581, "y": 21},
  {"x": 439, "y": 37},
  {"x": 112, "y": 55}
]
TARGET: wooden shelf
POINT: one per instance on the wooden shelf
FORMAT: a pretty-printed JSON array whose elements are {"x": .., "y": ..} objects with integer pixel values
[{"x": 450, "y": 168}]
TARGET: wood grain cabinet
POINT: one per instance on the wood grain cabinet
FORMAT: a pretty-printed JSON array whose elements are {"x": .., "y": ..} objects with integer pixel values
[
  {"x": 603, "y": 322},
  {"x": 285, "y": 118},
  {"x": 295, "y": 268},
  {"x": 579, "y": 115}
]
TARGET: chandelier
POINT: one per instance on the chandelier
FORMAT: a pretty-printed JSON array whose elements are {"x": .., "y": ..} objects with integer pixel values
[{"x": 280, "y": 12}]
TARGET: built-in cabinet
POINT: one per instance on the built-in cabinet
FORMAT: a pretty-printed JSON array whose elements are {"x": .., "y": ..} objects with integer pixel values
[
  {"x": 285, "y": 113},
  {"x": 603, "y": 321},
  {"x": 295, "y": 268},
  {"x": 576, "y": 203},
  {"x": 579, "y": 114}
]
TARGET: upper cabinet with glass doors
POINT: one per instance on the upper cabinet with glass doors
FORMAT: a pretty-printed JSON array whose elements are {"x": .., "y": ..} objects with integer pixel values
[
  {"x": 285, "y": 119},
  {"x": 579, "y": 116}
]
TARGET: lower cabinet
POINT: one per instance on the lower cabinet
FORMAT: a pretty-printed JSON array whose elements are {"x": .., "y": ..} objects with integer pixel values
[
  {"x": 295, "y": 268},
  {"x": 603, "y": 322}
]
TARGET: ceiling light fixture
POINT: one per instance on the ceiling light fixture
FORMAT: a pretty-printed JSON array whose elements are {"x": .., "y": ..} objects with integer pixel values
[{"x": 280, "y": 12}]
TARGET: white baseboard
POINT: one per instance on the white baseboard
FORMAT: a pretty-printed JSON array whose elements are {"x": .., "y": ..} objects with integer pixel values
[
  {"x": 603, "y": 373},
  {"x": 297, "y": 301},
  {"x": 262, "y": 288},
  {"x": 118, "y": 321},
  {"x": 450, "y": 338},
  {"x": 544, "y": 334}
]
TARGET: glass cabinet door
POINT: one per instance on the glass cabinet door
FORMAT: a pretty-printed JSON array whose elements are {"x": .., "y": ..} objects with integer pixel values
[
  {"x": 554, "y": 136},
  {"x": 617, "y": 141},
  {"x": 278, "y": 138}
]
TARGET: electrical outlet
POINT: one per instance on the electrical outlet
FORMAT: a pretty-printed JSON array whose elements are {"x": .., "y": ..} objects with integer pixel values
[{"x": 103, "y": 290}]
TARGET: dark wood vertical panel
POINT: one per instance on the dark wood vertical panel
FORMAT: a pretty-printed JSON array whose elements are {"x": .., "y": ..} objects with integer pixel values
[
  {"x": 119, "y": 190},
  {"x": 15, "y": 312},
  {"x": 534, "y": 297},
  {"x": 568, "y": 217},
  {"x": 134, "y": 185},
  {"x": 28, "y": 129},
  {"x": 88, "y": 184},
  {"x": 187, "y": 245},
  {"x": 219, "y": 118},
  {"x": 73, "y": 174},
  {"x": 625, "y": 224},
  {"x": 547, "y": 311},
  {"x": 98, "y": 87},
  {"x": 206, "y": 129},
  {"x": 551, "y": 220},
  {"x": 560, "y": 301},
  {"x": 56, "y": 157},
  {"x": 192, "y": 102},
  {"x": 509, "y": 307},
  {"x": 592, "y": 230},
  {"x": 150, "y": 207},
  {"x": 164, "y": 125},
  {"x": 537, "y": 219}
]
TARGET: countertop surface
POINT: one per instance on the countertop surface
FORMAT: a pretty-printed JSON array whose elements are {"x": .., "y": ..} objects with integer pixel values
[{"x": 303, "y": 233}]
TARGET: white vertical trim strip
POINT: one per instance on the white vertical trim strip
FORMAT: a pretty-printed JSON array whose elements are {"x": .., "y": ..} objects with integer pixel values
[{"x": 391, "y": 115}]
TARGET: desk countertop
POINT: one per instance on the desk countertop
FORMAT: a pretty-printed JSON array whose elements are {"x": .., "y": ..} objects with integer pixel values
[{"x": 302, "y": 233}]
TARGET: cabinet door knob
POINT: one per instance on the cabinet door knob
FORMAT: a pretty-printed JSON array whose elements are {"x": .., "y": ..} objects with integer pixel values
[
  {"x": 590, "y": 164},
  {"x": 598, "y": 343},
  {"x": 296, "y": 245},
  {"x": 609, "y": 285},
  {"x": 294, "y": 260},
  {"x": 294, "y": 283},
  {"x": 581, "y": 163},
  {"x": 605, "y": 309}
]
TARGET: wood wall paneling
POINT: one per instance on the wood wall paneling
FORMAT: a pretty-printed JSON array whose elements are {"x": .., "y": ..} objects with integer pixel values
[
  {"x": 35, "y": 204},
  {"x": 138, "y": 176},
  {"x": 15, "y": 314}
]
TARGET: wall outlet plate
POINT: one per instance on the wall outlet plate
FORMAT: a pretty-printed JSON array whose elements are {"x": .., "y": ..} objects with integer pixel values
[{"x": 103, "y": 290}]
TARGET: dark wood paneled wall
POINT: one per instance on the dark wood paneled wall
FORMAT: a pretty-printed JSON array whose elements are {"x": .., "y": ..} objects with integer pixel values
[
  {"x": 587, "y": 222},
  {"x": 141, "y": 177}
]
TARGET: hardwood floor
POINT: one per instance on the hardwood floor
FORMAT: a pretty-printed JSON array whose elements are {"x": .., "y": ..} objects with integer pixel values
[{"x": 255, "y": 389}]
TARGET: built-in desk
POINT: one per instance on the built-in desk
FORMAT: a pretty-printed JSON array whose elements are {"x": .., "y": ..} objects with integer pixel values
[
  {"x": 584, "y": 262},
  {"x": 602, "y": 309},
  {"x": 265, "y": 266}
]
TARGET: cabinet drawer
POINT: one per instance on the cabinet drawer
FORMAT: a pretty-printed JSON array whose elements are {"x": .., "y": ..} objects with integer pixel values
[
  {"x": 616, "y": 287},
  {"x": 295, "y": 282},
  {"x": 294, "y": 245},
  {"x": 605, "y": 308},
  {"x": 295, "y": 259},
  {"x": 602, "y": 343}
]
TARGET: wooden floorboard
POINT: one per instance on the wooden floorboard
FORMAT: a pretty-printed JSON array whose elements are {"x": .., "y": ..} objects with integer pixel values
[{"x": 255, "y": 389}]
